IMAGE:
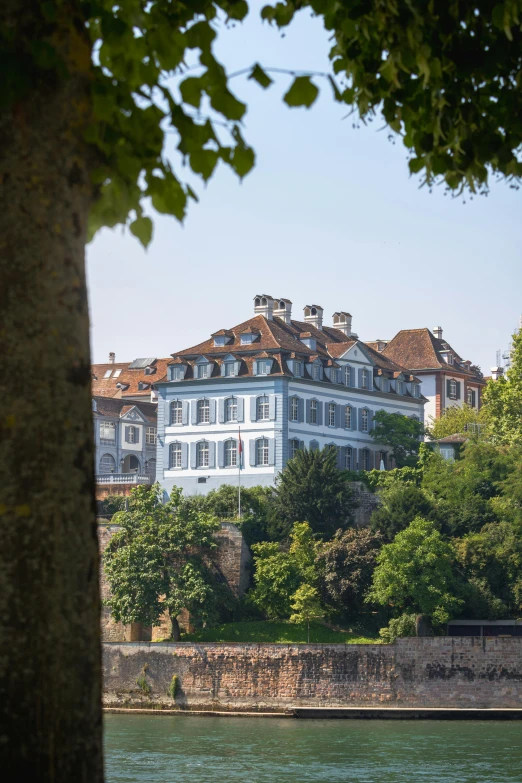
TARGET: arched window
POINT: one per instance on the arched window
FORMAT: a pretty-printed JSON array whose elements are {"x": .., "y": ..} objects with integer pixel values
[
  {"x": 314, "y": 445},
  {"x": 348, "y": 458},
  {"x": 348, "y": 417},
  {"x": 263, "y": 408},
  {"x": 262, "y": 451},
  {"x": 365, "y": 459},
  {"x": 231, "y": 409},
  {"x": 175, "y": 456},
  {"x": 230, "y": 453},
  {"x": 348, "y": 375},
  {"x": 331, "y": 414},
  {"x": 203, "y": 411},
  {"x": 365, "y": 376},
  {"x": 364, "y": 420},
  {"x": 107, "y": 464},
  {"x": 151, "y": 468},
  {"x": 294, "y": 447},
  {"x": 313, "y": 411},
  {"x": 202, "y": 454},
  {"x": 176, "y": 412}
]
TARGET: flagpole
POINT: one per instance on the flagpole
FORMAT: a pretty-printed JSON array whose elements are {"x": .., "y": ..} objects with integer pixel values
[{"x": 240, "y": 457}]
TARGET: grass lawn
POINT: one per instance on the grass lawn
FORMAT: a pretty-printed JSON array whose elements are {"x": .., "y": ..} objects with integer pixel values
[{"x": 277, "y": 632}]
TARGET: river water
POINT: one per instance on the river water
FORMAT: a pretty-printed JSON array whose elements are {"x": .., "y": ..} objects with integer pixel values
[{"x": 177, "y": 749}]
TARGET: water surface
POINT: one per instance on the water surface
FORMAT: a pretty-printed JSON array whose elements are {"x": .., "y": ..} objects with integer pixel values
[{"x": 177, "y": 749}]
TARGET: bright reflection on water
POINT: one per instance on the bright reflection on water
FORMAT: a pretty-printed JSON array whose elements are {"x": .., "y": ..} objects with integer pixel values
[{"x": 162, "y": 749}]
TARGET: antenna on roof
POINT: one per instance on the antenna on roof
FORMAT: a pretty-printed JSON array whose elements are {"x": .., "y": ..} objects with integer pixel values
[{"x": 498, "y": 358}]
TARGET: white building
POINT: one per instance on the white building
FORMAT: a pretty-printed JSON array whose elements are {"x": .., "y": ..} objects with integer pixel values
[{"x": 286, "y": 385}]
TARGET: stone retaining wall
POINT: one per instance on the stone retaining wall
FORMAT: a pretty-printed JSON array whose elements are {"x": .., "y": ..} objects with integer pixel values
[{"x": 420, "y": 672}]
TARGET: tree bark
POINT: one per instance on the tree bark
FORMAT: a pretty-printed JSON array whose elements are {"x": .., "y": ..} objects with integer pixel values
[
  {"x": 176, "y": 634},
  {"x": 50, "y": 673}
]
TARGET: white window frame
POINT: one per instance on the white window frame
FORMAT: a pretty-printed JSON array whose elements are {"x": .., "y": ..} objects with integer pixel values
[
  {"x": 230, "y": 453},
  {"x": 453, "y": 389},
  {"x": 177, "y": 373},
  {"x": 262, "y": 456},
  {"x": 202, "y": 454},
  {"x": 348, "y": 456},
  {"x": 294, "y": 409},
  {"x": 175, "y": 456},
  {"x": 108, "y": 374},
  {"x": 313, "y": 411},
  {"x": 365, "y": 379},
  {"x": 331, "y": 414},
  {"x": 176, "y": 412},
  {"x": 131, "y": 434},
  {"x": 230, "y": 369},
  {"x": 263, "y": 408},
  {"x": 298, "y": 369},
  {"x": 316, "y": 372},
  {"x": 203, "y": 411},
  {"x": 263, "y": 366},
  {"x": 230, "y": 409},
  {"x": 246, "y": 339},
  {"x": 365, "y": 420},
  {"x": 348, "y": 413},
  {"x": 117, "y": 373},
  {"x": 203, "y": 370},
  {"x": 151, "y": 436},
  {"x": 347, "y": 375},
  {"x": 108, "y": 426},
  {"x": 294, "y": 447}
]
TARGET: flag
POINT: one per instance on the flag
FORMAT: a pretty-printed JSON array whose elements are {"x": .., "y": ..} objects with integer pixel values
[{"x": 240, "y": 451}]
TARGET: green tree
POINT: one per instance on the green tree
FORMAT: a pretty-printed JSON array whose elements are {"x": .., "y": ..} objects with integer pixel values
[
  {"x": 502, "y": 400},
  {"x": 306, "y": 606},
  {"x": 402, "y": 433},
  {"x": 256, "y": 504},
  {"x": 401, "y": 503},
  {"x": 279, "y": 571},
  {"x": 159, "y": 561},
  {"x": 345, "y": 567},
  {"x": 311, "y": 488},
  {"x": 90, "y": 84},
  {"x": 462, "y": 419},
  {"x": 416, "y": 573}
]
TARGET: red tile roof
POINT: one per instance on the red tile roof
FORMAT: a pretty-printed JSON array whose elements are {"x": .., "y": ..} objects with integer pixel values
[
  {"x": 419, "y": 349},
  {"x": 107, "y": 387},
  {"x": 110, "y": 406}
]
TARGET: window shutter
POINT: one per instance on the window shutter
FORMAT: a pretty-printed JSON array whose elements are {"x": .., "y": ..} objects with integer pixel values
[
  {"x": 360, "y": 377},
  {"x": 371, "y": 423},
  {"x": 237, "y": 365},
  {"x": 240, "y": 409},
  {"x": 271, "y": 451},
  {"x": 221, "y": 454},
  {"x": 194, "y": 418},
  {"x": 185, "y": 413},
  {"x": 137, "y": 434},
  {"x": 193, "y": 455},
  {"x": 339, "y": 413},
  {"x": 290, "y": 408},
  {"x": 127, "y": 434},
  {"x": 211, "y": 454},
  {"x": 253, "y": 409},
  {"x": 448, "y": 388},
  {"x": 221, "y": 411},
  {"x": 272, "y": 407},
  {"x": 184, "y": 455},
  {"x": 360, "y": 419},
  {"x": 354, "y": 419},
  {"x": 212, "y": 411},
  {"x": 252, "y": 453},
  {"x": 325, "y": 406},
  {"x": 458, "y": 390},
  {"x": 301, "y": 445},
  {"x": 300, "y": 409},
  {"x": 319, "y": 413},
  {"x": 355, "y": 465},
  {"x": 308, "y": 411},
  {"x": 222, "y": 368},
  {"x": 340, "y": 457}
]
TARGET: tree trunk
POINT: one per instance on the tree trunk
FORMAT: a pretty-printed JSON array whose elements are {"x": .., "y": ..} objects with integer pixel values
[
  {"x": 176, "y": 634},
  {"x": 50, "y": 710}
]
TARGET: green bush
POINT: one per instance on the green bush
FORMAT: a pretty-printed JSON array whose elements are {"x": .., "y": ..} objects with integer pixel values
[
  {"x": 398, "y": 627},
  {"x": 173, "y": 687},
  {"x": 142, "y": 683}
]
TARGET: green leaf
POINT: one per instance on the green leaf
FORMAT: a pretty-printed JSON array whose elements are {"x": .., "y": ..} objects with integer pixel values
[
  {"x": 142, "y": 229},
  {"x": 416, "y": 165},
  {"x": 203, "y": 162},
  {"x": 302, "y": 92},
  {"x": 259, "y": 76},
  {"x": 191, "y": 90},
  {"x": 243, "y": 160},
  {"x": 200, "y": 36},
  {"x": 167, "y": 195},
  {"x": 222, "y": 100}
]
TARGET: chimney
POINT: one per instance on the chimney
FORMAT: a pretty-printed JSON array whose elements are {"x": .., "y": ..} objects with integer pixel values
[
  {"x": 497, "y": 372},
  {"x": 313, "y": 315},
  {"x": 112, "y": 357},
  {"x": 283, "y": 310},
  {"x": 437, "y": 332},
  {"x": 343, "y": 322},
  {"x": 264, "y": 305}
]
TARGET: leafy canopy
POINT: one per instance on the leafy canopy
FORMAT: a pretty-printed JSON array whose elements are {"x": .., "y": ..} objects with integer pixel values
[
  {"x": 443, "y": 74},
  {"x": 311, "y": 488},
  {"x": 503, "y": 400},
  {"x": 158, "y": 560},
  {"x": 415, "y": 573},
  {"x": 459, "y": 420},
  {"x": 400, "y": 432}
]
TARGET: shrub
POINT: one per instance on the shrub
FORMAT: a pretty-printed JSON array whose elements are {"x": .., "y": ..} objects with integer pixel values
[
  {"x": 398, "y": 627},
  {"x": 173, "y": 687}
]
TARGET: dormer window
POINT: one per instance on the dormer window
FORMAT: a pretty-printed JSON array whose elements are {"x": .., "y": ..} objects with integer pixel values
[
  {"x": 297, "y": 369},
  {"x": 108, "y": 374},
  {"x": 263, "y": 366},
  {"x": 247, "y": 339},
  {"x": 203, "y": 368},
  {"x": 307, "y": 339},
  {"x": 150, "y": 370},
  {"x": 230, "y": 369},
  {"x": 317, "y": 372},
  {"x": 400, "y": 387},
  {"x": 142, "y": 385},
  {"x": 219, "y": 341},
  {"x": 177, "y": 372}
]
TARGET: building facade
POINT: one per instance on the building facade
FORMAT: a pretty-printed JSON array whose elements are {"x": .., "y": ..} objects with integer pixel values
[
  {"x": 447, "y": 379},
  {"x": 285, "y": 385},
  {"x": 125, "y": 436}
]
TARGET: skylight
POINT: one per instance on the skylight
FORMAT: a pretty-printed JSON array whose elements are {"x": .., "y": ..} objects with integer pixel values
[{"x": 108, "y": 374}]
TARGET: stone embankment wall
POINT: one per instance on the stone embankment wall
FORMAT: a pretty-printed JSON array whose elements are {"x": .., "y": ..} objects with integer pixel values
[
  {"x": 420, "y": 672},
  {"x": 365, "y": 503}
]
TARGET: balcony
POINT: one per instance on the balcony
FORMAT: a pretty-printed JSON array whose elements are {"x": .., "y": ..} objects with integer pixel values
[{"x": 122, "y": 478}]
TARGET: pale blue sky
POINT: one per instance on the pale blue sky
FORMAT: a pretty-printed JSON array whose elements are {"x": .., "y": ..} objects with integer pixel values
[{"x": 328, "y": 216}]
